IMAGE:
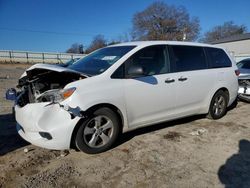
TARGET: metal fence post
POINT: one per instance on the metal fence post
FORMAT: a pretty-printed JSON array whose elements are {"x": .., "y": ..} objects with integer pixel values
[
  {"x": 27, "y": 56},
  {"x": 57, "y": 55},
  {"x": 10, "y": 56},
  {"x": 43, "y": 57}
]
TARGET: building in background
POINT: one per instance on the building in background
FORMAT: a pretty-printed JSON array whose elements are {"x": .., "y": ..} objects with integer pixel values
[{"x": 238, "y": 45}]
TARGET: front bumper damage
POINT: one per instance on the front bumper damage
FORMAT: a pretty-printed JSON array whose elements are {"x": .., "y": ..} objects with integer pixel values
[
  {"x": 244, "y": 88},
  {"x": 42, "y": 118},
  {"x": 47, "y": 125}
]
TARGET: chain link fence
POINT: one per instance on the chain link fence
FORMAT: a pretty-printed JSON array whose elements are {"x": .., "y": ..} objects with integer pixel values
[{"x": 7, "y": 56}]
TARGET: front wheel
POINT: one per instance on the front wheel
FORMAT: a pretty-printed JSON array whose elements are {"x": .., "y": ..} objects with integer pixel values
[
  {"x": 218, "y": 105},
  {"x": 99, "y": 132}
]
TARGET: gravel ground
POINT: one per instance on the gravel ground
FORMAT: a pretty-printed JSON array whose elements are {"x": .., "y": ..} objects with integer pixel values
[{"x": 192, "y": 152}]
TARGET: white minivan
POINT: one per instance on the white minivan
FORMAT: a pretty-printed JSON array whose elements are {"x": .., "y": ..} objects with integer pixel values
[{"x": 120, "y": 88}]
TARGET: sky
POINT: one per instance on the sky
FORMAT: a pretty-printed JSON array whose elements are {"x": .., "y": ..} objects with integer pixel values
[{"x": 54, "y": 25}]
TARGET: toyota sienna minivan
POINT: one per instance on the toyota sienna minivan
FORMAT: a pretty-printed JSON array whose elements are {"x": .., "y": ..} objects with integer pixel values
[{"x": 120, "y": 88}]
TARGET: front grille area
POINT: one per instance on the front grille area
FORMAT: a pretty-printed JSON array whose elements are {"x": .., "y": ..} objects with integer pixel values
[
  {"x": 23, "y": 99},
  {"x": 244, "y": 82}
]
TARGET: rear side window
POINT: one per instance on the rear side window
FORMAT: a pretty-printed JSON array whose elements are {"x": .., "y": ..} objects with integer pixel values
[
  {"x": 218, "y": 58},
  {"x": 188, "y": 58}
]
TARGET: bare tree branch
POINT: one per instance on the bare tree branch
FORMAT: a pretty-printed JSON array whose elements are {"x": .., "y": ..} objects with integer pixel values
[
  {"x": 223, "y": 31},
  {"x": 161, "y": 21},
  {"x": 98, "y": 42},
  {"x": 75, "y": 48}
]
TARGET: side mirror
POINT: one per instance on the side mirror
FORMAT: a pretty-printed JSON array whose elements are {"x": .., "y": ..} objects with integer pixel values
[
  {"x": 136, "y": 71},
  {"x": 11, "y": 94}
]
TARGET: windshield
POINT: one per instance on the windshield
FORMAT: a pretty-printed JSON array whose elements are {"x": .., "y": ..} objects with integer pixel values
[
  {"x": 100, "y": 60},
  {"x": 68, "y": 63}
]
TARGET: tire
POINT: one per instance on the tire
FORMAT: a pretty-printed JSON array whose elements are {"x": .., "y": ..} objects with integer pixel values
[
  {"x": 218, "y": 105},
  {"x": 98, "y": 132}
]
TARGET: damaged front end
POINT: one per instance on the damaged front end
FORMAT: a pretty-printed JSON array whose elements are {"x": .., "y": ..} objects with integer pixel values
[
  {"x": 244, "y": 88},
  {"x": 42, "y": 112},
  {"x": 45, "y": 85}
]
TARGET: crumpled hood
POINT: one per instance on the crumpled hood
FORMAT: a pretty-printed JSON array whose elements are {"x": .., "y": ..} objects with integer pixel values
[
  {"x": 51, "y": 67},
  {"x": 46, "y": 73}
]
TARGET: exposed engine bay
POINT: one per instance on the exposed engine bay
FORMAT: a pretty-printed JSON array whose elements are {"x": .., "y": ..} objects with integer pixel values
[
  {"x": 44, "y": 85},
  {"x": 244, "y": 88},
  {"x": 244, "y": 82}
]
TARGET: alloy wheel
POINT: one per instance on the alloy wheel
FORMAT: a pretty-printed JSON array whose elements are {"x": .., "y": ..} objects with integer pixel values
[
  {"x": 98, "y": 131},
  {"x": 219, "y": 105}
]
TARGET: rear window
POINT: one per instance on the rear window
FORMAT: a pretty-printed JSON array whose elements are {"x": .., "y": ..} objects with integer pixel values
[
  {"x": 244, "y": 64},
  {"x": 188, "y": 58},
  {"x": 218, "y": 58}
]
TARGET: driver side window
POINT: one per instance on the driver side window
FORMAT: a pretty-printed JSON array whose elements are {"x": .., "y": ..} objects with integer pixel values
[{"x": 153, "y": 60}]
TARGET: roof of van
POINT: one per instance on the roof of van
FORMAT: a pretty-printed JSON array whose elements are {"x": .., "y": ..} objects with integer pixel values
[{"x": 148, "y": 43}]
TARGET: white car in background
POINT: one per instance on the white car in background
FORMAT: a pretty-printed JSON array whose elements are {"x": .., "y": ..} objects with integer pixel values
[
  {"x": 120, "y": 88},
  {"x": 244, "y": 80}
]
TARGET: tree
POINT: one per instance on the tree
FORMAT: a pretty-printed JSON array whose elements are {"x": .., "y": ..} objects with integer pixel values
[
  {"x": 161, "y": 21},
  {"x": 121, "y": 38},
  {"x": 223, "y": 31},
  {"x": 98, "y": 42},
  {"x": 75, "y": 48}
]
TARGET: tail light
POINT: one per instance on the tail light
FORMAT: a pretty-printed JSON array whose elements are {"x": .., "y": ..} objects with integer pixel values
[{"x": 237, "y": 72}]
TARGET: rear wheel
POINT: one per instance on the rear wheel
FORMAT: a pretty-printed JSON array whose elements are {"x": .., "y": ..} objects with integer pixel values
[
  {"x": 99, "y": 132},
  {"x": 218, "y": 105}
]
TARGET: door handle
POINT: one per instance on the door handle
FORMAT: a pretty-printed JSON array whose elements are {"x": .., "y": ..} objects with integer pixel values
[
  {"x": 182, "y": 79},
  {"x": 169, "y": 80}
]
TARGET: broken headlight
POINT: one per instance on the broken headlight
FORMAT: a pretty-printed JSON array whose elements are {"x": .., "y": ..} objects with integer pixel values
[{"x": 56, "y": 95}]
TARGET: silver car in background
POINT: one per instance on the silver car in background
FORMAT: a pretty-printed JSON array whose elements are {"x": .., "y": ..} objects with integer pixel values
[{"x": 244, "y": 80}]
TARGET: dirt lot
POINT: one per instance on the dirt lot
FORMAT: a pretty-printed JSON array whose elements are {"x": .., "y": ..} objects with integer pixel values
[{"x": 192, "y": 152}]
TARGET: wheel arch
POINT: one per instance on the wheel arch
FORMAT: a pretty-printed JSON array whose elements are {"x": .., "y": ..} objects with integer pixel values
[
  {"x": 211, "y": 114},
  {"x": 210, "y": 97},
  {"x": 91, "y": 110},
  {"x": 224, "y": 89}
]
